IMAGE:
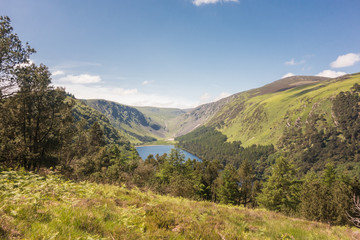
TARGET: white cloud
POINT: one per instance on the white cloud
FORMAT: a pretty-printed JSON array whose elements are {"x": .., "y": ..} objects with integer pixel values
[
  {"x": 132, "y": 97},
  {"x": 123, "y": 92},
  {"x": 330, "y": 74},
  {"x": 288, "y": 75},
  {"x": 80, "y": 79},
  {"x": 203, "y": 2},
  {"x": 146, "y": 82},
  {"x": 222, "y": 95},
  {"x": 292, "y": 62},
  {"x": 346, "y": 60},
  {"x": 205, "y": 98},
  {"x": 58, "y": 73}
]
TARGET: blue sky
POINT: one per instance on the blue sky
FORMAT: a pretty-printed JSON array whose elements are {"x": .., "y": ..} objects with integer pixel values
[{"x": 182, "y": 53}]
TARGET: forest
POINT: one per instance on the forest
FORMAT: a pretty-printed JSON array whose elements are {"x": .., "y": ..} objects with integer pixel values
[{"x": 312, "y": 174}]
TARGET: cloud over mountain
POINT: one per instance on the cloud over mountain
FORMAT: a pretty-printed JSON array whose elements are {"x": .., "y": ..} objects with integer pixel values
[
  {"x": 330, "y": 74},
  {"x": 346, "y": 60}
]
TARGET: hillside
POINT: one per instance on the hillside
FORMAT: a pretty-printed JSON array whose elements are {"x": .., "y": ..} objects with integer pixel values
[
  {"x": 83, "y": 112},
  {"x": 168, "y": 118},
  {"x": 38, "y": 207},
  {"x": 257, "y": 116},
  {"x": 260, "y": 116},
  {"x": 130, "y": 120},
  {"x": 200, "y": 115},
  {"x": 312, "y": 125}
]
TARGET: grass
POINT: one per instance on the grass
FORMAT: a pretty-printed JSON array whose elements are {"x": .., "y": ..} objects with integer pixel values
[
  {"x": 264, "y": 117},
  {"x": 38, "y": 207}
]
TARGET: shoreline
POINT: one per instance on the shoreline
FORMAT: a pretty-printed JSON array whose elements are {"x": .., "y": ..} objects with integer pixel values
[{"x": 153, "y": 145}]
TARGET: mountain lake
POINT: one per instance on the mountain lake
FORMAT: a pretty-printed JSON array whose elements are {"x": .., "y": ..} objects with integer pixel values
[{"x": 145, "y": 151}]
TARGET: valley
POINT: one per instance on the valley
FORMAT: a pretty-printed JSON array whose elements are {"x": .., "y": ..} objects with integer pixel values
[
  {"x": 279, "y": 161},
  {"x": 257, "y": 116}
]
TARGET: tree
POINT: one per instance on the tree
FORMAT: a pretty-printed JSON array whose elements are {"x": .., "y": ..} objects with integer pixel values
[
  {"x": 12, "y": 54},
  {"x": 228, "y": 186},
  {"x": 37, "y": 120},
  {"x": 97, "y": 138},
  {"x": 210, "y": 174},
  {"x": 246, "y": 178},
  {"x": 326, "y": 199},
  {"x": 281, "y": 190},
  {"x": 355, "y": 217}
]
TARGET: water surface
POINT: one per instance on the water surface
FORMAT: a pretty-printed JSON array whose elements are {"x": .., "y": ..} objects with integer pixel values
[{"x": 145, "y": 151}]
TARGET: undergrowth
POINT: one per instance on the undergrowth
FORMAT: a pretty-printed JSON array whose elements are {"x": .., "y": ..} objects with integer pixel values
[{"x": 49, "y": 207}]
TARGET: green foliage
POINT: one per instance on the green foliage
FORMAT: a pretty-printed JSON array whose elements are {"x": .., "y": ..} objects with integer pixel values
[
  {"x": 96, "y": 135},
  {"x": 280, "y": 192},
  {"x": 319, "y": 142},
  {"x": 35, "y": 121},
  {"x": 208, "y": 143},
  {"x": 326, "y": 199},
  {"x": 12, "y": 54},
  {"x": 227, "y": 186},
  {"x": 37, "y": 128},
  {"x": 49, "y": 207},
  {"x": 248, "y": 188}
]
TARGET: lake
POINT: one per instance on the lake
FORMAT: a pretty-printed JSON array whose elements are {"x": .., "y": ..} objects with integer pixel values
[{"x": 145, "y": 151}]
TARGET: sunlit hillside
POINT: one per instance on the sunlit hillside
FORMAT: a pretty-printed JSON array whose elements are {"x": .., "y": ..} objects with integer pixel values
[
  {"x": 48, "y": 207},
  {"x": 257, "y": 117}
]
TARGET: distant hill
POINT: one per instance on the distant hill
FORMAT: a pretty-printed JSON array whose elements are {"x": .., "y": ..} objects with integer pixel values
[
  {"x": 206, "y": 113},
  {"x": 256, "y": 116},
  {"x": 260, "y": 116},
  {"x": 168, "y": 118},
  {"x": 81, "y": 111},
  {"x": 143, "y": 124},
  {"x": 297, "y": 116}
]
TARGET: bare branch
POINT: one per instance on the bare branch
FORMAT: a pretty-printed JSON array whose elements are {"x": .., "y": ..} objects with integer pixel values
[{"x": 355, "y": 219}]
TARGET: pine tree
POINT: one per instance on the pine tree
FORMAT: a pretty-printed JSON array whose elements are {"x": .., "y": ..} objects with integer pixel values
[
  {"x": 281, "y": 190},
  {"x": 228, "y": 186},
  {"x": 246, "y": 178},
  {"x": 97, "y": 138},
  {"x": 37, "y": 121}
]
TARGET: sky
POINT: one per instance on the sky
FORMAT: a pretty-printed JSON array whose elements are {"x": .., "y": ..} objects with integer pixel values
[{"x": 183, "y": 53}]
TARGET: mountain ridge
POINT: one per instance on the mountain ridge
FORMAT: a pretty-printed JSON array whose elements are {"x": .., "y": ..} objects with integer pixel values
[{"x": 146, "y": 124}]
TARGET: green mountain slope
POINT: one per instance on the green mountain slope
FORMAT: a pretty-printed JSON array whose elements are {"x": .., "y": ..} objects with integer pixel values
[
  {"x": 200, "y": 115},
  {"x": 83, "y": 112},
  {"x": 168, "y": 118},
  {"x": 133, "y": 122},
  {"x": 260, "y": 116},
  {"x": 257, "y": 116},
  {"x": 38, "y": 207}
]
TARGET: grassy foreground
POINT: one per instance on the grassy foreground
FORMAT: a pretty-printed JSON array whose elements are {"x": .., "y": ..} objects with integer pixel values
[{"x": 37, "y": 207}]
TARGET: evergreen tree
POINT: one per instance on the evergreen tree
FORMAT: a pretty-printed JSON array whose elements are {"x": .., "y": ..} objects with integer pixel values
[
  {"x": 326, "y": 199},
  {"x": 246, "y": 178},
  {"x": 97, "y": 138},
  {"x": 228, "y": 186},
  {"x": 37, "y": 121},
  {"x": 281, "y": 190}
]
